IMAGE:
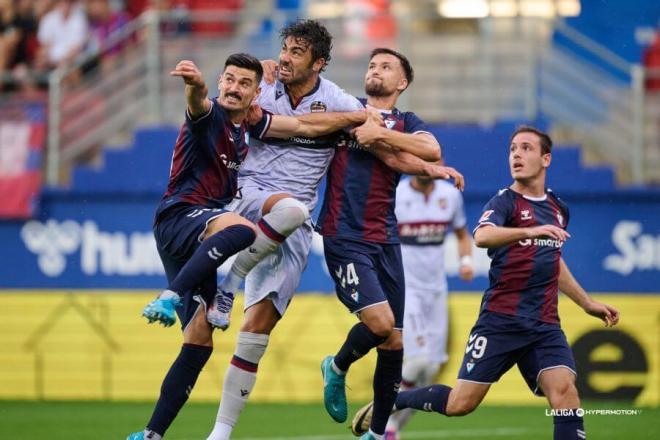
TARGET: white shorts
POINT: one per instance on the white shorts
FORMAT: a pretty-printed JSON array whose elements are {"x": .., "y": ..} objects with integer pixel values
[
  {"x": 425, "y": 325},
  {"x": 276, "y": 276}
]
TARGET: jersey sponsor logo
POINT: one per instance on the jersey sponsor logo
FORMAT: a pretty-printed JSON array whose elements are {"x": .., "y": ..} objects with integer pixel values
[
  {"x": 542, "y": 242},
  {"x": 232, "y": 165},
  {"x": 302, "y": 140},
  {"x": 422, "y": 233},
  {"x": 486, "y": 215},
  {"x": 636, "y": 251},
  {"x": 318, "y": 107},
  {"x": 525, "y": 215}
]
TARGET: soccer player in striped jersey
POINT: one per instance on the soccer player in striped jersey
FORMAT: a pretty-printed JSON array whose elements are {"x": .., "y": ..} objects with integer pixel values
[
  {"x": 193, "y": 230},
  {"x": 360, "y": 237},
  {"x": 524, "y": 229}
]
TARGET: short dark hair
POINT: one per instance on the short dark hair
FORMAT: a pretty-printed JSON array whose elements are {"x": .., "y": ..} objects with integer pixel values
[
  {"x": 407, "y": 68},
  {"x": 246, "y": 61},
  {"x": 315, "y": 34},
  {"x": 544, "y": 138}
]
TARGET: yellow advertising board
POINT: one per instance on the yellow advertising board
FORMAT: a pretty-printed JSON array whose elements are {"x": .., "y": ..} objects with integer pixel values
[{"x": 95, "y": 345}]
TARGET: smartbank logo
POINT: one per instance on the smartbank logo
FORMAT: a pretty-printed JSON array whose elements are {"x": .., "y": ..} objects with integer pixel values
[
  {"x": 101, "y": 252},
  {"x": 635, "y": 250},
  {"x": 545, "y": 242}
]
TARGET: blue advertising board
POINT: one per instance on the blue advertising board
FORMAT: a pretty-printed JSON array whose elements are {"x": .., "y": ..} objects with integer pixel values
[{"x": 81, "y": 241}]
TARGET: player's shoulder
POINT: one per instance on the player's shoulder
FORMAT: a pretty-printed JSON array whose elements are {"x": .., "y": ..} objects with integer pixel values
[
  {"x": 403, "y": 188},
  {"x": 558, "y": 200},
  {"x": 502, "y": 197},
  {"x": 333, "y": 93}
]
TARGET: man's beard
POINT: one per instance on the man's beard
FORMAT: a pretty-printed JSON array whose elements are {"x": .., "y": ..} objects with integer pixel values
[{"x": 376, "y": 90}]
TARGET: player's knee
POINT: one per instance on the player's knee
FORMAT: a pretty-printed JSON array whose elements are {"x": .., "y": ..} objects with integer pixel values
[
  {"x": 295, "y": 210},
  {"x": 381, "y": 325},
  {"x": 563, "y": 394}
]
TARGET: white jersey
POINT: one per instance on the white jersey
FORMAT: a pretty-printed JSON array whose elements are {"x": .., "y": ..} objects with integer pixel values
[
  {"x": 423, "y": 224},
  {"x": 295, "y": 165}
]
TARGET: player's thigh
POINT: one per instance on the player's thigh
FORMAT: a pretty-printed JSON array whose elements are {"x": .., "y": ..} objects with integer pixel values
[
  {"x": 380, "y": 320},
  {"x": 494, "y": 345},
  {"x": 392, "y": 280},
  {"x": 549, "y": 351},
  {"x": 353, "y": 269},
  {"x": 224, "y": 221},
  {"x": 271, "y": 201},
  {"x": 181, "y": 230},
  {"x": 437, "y": 326},
  {"x": 558, "y": 384},
  {"x": 465, "y": 397}
]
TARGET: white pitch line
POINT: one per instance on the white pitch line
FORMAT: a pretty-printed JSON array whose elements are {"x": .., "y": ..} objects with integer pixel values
[{"x": 435, "y": 434}]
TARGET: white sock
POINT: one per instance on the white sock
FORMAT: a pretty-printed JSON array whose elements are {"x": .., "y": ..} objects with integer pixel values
[
  {"x": 376, "y": 436},
  {"x": 336, "y": 369},
  {"x": 285, "y": 216},
  {"x": 239, "y": 382},
  {"x": 167, "y": 294},
  {"x": 150, "y": 435}
]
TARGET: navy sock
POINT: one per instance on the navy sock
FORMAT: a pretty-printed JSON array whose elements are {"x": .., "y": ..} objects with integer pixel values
[
  {"x": 569, "y": 428},
  {"x": 387, "y": 379},
  {"x": 433, "y": 398},
  {"x": 177, "y": 385},
  {"x": 210, "y": 254},
  {"x": 358, "y": 343}
]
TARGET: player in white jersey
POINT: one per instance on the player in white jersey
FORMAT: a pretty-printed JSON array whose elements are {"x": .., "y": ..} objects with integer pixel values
[
  {"x": 278, "y": 185},
  {"x": 427, "y": 210}
]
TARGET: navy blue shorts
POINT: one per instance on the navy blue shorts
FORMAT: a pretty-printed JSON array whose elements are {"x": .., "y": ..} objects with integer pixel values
[
  {"x": 179, "y": 231},
  {"x": 498, "y": 341},
  {"x": 366, "y": 274}
]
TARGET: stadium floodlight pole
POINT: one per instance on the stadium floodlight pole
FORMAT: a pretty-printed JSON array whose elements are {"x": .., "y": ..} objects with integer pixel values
[{"x": 54, "y": 116}]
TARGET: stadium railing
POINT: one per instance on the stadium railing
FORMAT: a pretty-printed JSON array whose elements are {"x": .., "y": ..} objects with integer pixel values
[{"x": 503, "y": 70}]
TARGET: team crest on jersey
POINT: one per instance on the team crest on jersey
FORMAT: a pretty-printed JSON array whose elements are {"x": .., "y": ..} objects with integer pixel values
[
  {"x": 389, "y": 123},
  {"x": 560, "y": 219},
  {"x": 442, "y": 203},
  {"x": 318, "y": 107},
  {"x": 278, "y": 94},
  {"x": 525, "y": 215}
]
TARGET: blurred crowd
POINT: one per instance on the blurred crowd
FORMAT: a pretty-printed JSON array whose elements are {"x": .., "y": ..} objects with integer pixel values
[{"x": 37, "y": 36}]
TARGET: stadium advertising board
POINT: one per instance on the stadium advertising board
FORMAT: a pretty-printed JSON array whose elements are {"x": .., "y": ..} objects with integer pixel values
[
  {"x": 106, "y": 339},
  {"x": 82, "y": 242}
]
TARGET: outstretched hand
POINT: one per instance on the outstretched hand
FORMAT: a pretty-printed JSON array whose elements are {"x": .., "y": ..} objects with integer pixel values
[
  {"x": 441, "y": 172},
  {"x": 608, "y": 314},
  {"x": 191, "y": 75},
  {"x": 270, "y": 71}
]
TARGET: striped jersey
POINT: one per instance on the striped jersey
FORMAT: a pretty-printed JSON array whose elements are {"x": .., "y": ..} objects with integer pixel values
[
  {"x": 295, "y": 165},
  {"x": 207, "y": 156},
  {"x": 424, "y": 222},
  {"x": 524, "y": 276},
  {"x": 361, "y": 190}
]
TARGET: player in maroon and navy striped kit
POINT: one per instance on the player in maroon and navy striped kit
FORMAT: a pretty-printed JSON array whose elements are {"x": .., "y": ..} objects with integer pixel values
[
  {"x": 524, "y": 229},
  {"x": 360, "y": 233}
]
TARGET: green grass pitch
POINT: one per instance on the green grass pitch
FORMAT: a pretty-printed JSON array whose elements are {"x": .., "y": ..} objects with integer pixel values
[{"x": 114, "y": 420}]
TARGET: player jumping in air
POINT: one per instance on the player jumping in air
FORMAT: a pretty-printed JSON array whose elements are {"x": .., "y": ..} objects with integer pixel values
[
  {"x": 193, "y": 230},
  {"x": 360, "y": 236},
  {"x": 524, "y": 229}
]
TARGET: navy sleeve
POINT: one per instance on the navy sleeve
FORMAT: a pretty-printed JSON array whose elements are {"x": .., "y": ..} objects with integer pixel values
[
  {"x": 496, "y": 211},
  {"x": 260, "y": 129},
  {"x": 412, "y": 124},
  {"x": 202, "y": 123}
]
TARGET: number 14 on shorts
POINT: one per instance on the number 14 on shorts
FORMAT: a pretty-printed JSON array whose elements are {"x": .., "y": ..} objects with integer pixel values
[{"x": 350, "y": 278}]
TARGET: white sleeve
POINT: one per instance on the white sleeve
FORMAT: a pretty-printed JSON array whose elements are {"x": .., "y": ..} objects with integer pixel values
[
  {"x": 345, "y": 102},
  {"x": 459, "y": 221}
]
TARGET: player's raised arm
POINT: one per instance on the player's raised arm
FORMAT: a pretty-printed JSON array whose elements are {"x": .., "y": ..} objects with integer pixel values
[
  {"x": 407, "y": 163},
  {"x": 571, "y": 288},
  {"x": 313, "y": 124},
  {"x": 421, "y": 144},
  {"x": 196, "y": 90}
]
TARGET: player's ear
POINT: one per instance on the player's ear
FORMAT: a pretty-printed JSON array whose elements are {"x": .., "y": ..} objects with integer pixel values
[
  {"x": 317, "y": 66},
  {"x": 547, "y": 158},
  {"x": 403, "y": 85}
]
